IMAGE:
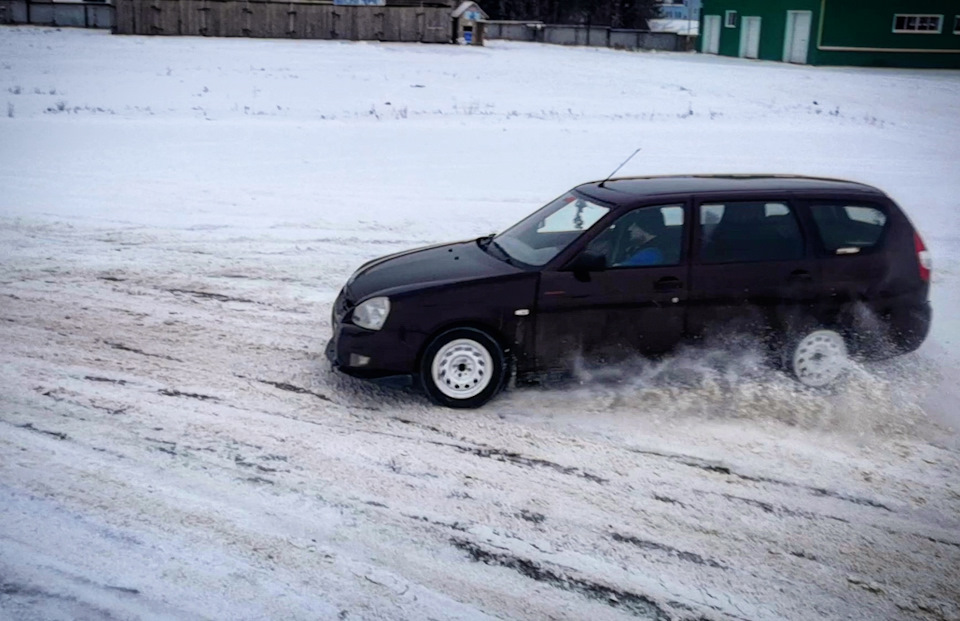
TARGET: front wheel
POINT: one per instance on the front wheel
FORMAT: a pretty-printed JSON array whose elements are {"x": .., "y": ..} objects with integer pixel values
[
  {"x": 817, "y": 357},
  {"x": 463, "y": 368}
]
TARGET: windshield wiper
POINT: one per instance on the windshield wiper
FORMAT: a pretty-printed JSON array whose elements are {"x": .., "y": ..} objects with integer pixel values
[
  {"x": 484, "y": 242},
  {"x": 506, "y": 255},
  {"x": 490, "y": 240}
]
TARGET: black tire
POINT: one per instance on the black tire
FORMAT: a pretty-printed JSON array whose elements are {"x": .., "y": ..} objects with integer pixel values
[{"x": 463, "y": 368}]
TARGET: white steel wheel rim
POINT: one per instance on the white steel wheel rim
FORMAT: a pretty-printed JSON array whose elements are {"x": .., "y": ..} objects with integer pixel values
[
  {"x": 462, "y": 369},
  {"x": 820, "y": 358}
]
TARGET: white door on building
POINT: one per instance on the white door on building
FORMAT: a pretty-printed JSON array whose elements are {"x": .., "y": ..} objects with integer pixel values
[
  {"x": 711, "y": 34},
  {"x": 750, "y": 37},
  {"x": 796, "y": 43}
]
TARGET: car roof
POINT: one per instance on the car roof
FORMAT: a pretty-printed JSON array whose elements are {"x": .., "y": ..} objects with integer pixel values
[{"x": 630, "y": 189}]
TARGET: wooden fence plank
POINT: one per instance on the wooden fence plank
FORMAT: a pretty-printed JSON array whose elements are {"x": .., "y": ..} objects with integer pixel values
[{"x": 306, "y": 20}]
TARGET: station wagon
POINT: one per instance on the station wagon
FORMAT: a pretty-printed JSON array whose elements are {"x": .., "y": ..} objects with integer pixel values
[{"x": 823, "y": 269}]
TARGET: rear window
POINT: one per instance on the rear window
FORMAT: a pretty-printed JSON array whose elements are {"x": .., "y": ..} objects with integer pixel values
[{"x": 848, "y": 228}]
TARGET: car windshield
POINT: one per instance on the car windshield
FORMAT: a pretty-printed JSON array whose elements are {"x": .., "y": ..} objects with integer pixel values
[{"x": 541, "y": 236}]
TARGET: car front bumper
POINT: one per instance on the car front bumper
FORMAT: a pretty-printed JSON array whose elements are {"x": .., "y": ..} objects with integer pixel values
[
  {"x": 386, "y": 356},
  {"x": 379, "y": 376}
]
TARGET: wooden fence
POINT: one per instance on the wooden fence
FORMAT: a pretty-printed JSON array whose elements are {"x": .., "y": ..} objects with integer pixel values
[{"x": 297, "y": 20}]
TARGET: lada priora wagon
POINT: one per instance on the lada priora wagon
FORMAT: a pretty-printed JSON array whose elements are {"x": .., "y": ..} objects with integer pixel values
[{"x": 822, "y": 268}]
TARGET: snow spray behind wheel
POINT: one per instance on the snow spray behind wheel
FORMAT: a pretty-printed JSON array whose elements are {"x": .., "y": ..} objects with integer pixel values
[{"x": 735, "y": 379}]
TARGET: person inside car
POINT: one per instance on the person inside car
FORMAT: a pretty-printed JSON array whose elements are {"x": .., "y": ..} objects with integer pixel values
[{"x": 641, "y": 245}]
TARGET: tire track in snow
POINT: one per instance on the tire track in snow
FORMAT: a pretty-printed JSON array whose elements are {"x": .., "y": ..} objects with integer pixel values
[
  {"x": 636, "y": 604},
  {"x": 695, "y": 462}
]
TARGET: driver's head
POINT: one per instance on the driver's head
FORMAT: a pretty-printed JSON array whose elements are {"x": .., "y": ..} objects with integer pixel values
[
  {"x": 646, "y": 225},
  {"x": 638, "y": 234}
]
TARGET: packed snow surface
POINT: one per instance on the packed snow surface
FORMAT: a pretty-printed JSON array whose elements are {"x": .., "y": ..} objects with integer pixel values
[{"x": 177, "y": 215}]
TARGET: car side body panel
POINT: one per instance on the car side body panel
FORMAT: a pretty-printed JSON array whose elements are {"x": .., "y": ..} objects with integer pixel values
[
  {"x": 609, "y": 315},
  {"x": 749, "y": 296},
  {"x": 418, "y": 314}
]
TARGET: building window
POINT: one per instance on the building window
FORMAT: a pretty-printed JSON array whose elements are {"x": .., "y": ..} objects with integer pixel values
[
  {"x": 730, "y": 19},
  {"x": 956, "y": 24},
  {"x": 924, "y": 24}
]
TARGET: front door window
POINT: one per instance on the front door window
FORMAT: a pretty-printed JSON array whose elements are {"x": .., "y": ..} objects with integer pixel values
[{"x": 643, "y": 237}]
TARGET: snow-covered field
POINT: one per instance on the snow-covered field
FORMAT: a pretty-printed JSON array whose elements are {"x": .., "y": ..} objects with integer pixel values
[{"x": 176, "y": 217}]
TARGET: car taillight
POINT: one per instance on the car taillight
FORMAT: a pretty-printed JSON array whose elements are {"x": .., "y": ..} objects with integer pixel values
[{"x": 923, "y": 257}]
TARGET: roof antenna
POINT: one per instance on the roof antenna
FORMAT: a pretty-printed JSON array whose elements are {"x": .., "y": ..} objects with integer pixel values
[{"x": 619, "y": 167}]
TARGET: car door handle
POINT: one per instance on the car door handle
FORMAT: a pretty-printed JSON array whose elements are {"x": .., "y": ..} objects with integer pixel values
[
  {"x": 800, "y": 276},
  {"x": 668, "y": 284}
]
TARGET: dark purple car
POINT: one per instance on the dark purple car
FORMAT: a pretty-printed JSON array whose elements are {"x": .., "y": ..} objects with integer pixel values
[{"x": 822, "y": 268}]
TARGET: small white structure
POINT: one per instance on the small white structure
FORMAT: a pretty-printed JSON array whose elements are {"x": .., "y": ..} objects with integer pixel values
[{"x": 466, "y": 23}]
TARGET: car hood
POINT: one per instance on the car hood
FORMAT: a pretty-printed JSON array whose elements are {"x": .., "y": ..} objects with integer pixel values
[{"x": 429, "y": 266}]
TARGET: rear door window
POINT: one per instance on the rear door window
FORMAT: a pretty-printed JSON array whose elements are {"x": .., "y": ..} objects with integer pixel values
[
  {"x": 848, "y": 228},
  {"x": 747, "y": 231}
]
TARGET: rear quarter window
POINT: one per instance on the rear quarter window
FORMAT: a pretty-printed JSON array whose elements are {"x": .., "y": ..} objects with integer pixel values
[{"x": 848, "y": 228}]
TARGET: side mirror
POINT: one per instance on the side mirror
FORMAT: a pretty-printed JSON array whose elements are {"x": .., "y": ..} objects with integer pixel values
[{"x": 585, "y": 263}]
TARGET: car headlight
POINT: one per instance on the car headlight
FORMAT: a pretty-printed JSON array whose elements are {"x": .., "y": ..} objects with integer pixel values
[{"x": 372, "y": 314}]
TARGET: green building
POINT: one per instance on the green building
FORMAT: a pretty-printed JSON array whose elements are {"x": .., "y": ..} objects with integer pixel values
[{"x": 877, "y": 33}]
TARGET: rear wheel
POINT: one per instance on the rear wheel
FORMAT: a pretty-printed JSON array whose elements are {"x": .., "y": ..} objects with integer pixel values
[
  {"x": 463, "y": 368},
  {"x": 817, "y": 357}
]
